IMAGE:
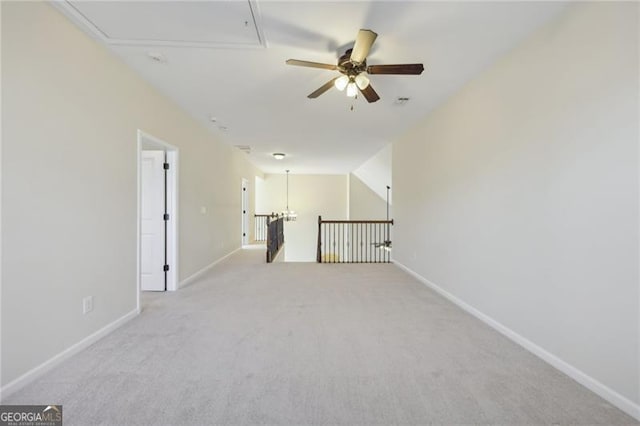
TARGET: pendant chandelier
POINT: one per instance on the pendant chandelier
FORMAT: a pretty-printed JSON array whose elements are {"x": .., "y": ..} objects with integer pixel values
[{"x": 289, "y": 215}]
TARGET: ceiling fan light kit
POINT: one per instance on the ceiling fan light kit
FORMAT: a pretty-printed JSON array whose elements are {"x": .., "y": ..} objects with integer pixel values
[
  {"x": 354, "y": 69},
  {"x": 352, "y": 90},
  {"x": 362, "y": 81},
  {"x": 341, "y": 82}
]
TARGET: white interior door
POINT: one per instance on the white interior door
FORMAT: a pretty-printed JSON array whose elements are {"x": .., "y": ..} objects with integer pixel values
[
  {"x": 245, "y": 212},
  {"x": 152, "y": 235}
]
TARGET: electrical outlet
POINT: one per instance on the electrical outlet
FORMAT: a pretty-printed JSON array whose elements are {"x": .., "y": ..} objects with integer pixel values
[{"x": 87, "y": 304}]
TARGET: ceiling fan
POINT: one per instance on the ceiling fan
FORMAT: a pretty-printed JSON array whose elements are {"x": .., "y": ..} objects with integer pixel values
[{"x": 353, "y": 67}]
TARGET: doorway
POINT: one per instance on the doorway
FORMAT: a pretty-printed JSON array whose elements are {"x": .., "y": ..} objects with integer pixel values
[
  {"x": 157, "y": 215},
  {"x": 153, "y": 227},
  {"x": 245, "y": 212}
]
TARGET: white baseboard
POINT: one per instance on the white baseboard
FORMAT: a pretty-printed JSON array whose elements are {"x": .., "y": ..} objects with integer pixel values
[
  {"x": 194, "y": 277},
  {"x": 579, "y": 376},
  {"x": 51, "y": 363}
]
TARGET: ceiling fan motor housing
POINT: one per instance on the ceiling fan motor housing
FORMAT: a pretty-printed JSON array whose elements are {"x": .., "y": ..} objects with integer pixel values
[{"x": 350, "y": 68}]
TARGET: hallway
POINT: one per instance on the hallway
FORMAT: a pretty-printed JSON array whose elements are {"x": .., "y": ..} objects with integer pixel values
[{"x": 304, "y": 343}]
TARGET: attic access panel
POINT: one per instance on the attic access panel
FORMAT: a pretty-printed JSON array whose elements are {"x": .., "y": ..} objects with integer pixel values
[{"x": 183, "y": 23}]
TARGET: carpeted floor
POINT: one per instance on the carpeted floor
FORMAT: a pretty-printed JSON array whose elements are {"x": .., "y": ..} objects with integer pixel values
[{"x": 297, "y": 344}]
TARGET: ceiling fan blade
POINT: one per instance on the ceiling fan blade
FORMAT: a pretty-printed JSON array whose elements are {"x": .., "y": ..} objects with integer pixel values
[
  {"x": 328, "y": 85},
  {"x": 311, "y": 64},
  {"x": 369, "y": 94},
  {"x": 413, "y": 69},
  {"x": 363, "y": 44}
]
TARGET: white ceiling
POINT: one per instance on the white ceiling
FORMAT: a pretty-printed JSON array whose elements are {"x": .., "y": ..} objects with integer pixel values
[{"x": 226, "y": 59}]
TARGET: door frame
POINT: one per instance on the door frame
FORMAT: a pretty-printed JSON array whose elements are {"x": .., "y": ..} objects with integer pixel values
[
  {"x": 245, "y": 220},
  {"x": 147, "y": 141}
]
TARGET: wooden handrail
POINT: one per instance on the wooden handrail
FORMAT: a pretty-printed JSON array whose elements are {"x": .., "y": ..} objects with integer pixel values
[{"x": 356, "y": 221}]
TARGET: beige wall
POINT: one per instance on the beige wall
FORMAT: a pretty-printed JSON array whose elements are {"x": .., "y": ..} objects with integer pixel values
[
  {"x": 519, "y": 196},
  {"x": 376, "y": 172},
  {"x": 70, "y": 113},
  {"x": 364, "y": 204},
  {"x": 310, "y": 196}
]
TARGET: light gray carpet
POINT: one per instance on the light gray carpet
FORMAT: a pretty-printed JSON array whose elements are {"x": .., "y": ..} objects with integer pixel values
[{"x": 304, "y": 344}]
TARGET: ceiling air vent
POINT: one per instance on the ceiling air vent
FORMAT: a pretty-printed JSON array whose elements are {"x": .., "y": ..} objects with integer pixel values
[
  {"x": 244, "y": 148},
  {"x": 401, "y": 101},
  {"x": 157, "y": 57}
]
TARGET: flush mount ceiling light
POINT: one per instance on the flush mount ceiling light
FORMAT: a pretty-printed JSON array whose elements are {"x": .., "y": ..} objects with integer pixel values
[{"x": 278, "y": 155}]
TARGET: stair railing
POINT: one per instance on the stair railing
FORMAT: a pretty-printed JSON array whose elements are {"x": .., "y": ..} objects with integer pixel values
[
  {"x": 275, "y": 236},
  {"x": 354, "y": 241},
  {"x": 260, "y": 226}
]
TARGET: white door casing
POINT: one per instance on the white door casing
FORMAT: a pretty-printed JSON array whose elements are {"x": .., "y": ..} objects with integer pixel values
[
  {"x": 245, "y": 212},
  {"x": 152, "y": 227}
]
